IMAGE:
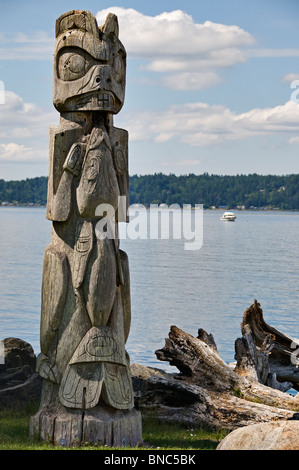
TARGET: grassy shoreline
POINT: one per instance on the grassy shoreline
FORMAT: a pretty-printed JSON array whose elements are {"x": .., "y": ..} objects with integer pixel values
[{"x": 14, "y": 435}]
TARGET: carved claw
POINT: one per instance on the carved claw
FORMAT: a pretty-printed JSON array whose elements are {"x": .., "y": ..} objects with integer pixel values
[{"x": 47, "y": 369}]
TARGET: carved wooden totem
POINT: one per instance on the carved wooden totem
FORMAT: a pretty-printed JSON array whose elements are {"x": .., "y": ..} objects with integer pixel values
[{"x": 85, "y": 318}]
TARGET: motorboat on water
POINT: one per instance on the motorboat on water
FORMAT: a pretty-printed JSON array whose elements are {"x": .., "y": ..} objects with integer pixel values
[{"x": 228, "y": 216}]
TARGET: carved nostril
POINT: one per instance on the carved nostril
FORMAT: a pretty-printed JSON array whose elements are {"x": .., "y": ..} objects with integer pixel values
[
  {"x": 98, "y": 79},
  {"x": 108, "y": 80}
]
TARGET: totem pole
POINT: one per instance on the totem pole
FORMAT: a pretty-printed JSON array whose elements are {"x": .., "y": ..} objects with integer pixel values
[{"x": 87, "y": 391}]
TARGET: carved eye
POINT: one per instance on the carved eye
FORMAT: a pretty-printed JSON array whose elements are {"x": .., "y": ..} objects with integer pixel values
[
  {"x": 92, "y": 170},
  {"x": 118, "y": 68},
  {"x": 75, "y": 63},
  {"x": 72, "y": 65}
]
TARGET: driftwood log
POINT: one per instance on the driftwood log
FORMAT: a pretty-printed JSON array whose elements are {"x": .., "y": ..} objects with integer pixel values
[
  {"x": 281, "y": 351},
  {"x": 208, "y": 391}
]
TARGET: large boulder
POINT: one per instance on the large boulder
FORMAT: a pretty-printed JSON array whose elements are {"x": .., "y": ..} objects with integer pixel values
[
  {"x": 275, "y": 435},
  {"x": 19, "y": 382}
]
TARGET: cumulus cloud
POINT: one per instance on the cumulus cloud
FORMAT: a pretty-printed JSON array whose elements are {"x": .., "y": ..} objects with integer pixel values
[
  {"x": 173, "y": 33},
  {"x": 24, "y": 130},
  {"x": 173, "y": 42},
  {"x": 13, "y": 153},
  {"x": 200, "y": 124},
  {"x": 19, "y": 119},
  {"x": 24, "y": 126},
  {"x": 191, "y": 81}
]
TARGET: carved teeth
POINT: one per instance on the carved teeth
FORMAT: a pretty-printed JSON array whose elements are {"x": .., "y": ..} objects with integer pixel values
[{"x": 105, "y": 100}]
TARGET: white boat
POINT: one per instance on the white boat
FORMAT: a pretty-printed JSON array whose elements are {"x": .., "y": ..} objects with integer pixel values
[{"x": 229, "y": 216}]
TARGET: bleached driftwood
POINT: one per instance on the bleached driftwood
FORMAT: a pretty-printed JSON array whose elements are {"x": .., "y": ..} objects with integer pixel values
[
  {"x": 282, "y": 349},
  {"x": 209, "y": 391}
]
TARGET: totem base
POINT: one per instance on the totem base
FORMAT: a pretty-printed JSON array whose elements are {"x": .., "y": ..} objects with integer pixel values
[{"x": 99, "y": 425}]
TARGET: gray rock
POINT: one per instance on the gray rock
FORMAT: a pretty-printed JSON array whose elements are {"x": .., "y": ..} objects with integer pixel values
[
  {"x": 276, "y": 435},
  {"x": 19, "y": 383}
]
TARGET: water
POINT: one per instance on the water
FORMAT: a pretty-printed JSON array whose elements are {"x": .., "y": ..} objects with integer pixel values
[{"x": 255, "y": 257}]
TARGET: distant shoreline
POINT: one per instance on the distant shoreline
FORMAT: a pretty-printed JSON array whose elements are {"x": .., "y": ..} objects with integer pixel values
[
  {"x": 3, "y": 206},
  {"x": 216, "y": 209},
  {"x": 245, "y": 192}
]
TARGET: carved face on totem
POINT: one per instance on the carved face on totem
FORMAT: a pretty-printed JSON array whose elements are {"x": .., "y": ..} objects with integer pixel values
[{"x": 89, "y": 64}]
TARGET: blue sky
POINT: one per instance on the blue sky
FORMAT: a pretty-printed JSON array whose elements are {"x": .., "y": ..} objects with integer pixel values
[{"x": 208, "y": 84}]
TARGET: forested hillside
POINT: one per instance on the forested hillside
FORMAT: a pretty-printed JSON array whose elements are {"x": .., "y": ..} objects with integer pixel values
[
  {"x": 246, "y": 191},
  {"x": 29, "y": 191}
]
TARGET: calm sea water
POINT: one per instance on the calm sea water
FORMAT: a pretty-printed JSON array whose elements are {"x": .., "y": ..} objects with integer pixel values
[{"x": 257, "y": 256}]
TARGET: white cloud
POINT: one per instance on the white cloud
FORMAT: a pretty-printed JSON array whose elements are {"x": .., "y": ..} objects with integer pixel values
[
  {"x": 293, "y": 140},
  {"x": 205, "y": 62},
  {"x": 185, "y": 163},
  {"x": 173, "y": 42},
  {"x": 20, "y": 46},
  {"x": 173, "y": 33},
  {"x": 290, "y": 77},
  {"x": 36, "y": 37},
  {"x": 13, "y": 152},
  {"x": 200, "y": 124},
  {"x": 19, "y": 119},
  {"x": 24, "y": 130},
  {"x": 24, "y": 126},
  {"x": 191, "y": 81}
]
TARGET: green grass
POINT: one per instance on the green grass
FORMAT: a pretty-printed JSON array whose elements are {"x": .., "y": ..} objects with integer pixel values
[
  {"x": 176, "y": 436},
  {"x": 14, "y": 435}
]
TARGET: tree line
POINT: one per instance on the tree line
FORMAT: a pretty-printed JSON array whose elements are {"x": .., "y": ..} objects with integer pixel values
[
  {"x": 29, "y": 191},
  {"x": 213, "y": 191},
  {"x": 239, "y": 191}
]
